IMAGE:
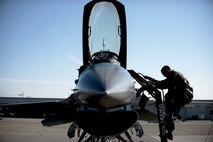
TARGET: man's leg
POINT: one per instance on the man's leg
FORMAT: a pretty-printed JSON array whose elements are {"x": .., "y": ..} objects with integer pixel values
[{"x": 169, "y": 116}]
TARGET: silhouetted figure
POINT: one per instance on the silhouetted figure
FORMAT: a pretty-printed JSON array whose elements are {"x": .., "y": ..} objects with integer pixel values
[{"x": 175, "y": 98}]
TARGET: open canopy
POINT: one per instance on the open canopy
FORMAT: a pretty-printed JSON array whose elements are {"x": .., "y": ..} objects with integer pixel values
[{"x": 104, "y": 30}]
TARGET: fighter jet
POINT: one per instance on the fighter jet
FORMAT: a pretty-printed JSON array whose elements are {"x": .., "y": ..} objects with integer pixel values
[{"x": 102, "y": 102}]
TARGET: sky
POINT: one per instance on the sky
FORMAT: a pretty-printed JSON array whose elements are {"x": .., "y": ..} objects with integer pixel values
[{"x": 41, "y": 44}]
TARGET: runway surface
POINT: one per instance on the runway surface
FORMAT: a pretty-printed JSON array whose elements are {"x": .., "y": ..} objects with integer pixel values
[{"x": 31, "y": 130}]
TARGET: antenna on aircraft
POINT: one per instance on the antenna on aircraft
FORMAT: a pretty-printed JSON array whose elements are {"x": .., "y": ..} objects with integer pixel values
[{"x": 104, "y": 43}]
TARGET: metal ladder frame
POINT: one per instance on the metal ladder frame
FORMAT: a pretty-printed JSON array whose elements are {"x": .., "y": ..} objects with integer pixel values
[{"x": 156, "y": 94}]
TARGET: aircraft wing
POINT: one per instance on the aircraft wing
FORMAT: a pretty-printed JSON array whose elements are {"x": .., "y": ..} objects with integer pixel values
[
  {"x": 148, "y": 113},
  {"x": 53, "y": 112}
]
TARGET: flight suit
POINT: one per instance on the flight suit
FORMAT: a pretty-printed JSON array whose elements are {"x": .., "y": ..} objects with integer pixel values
[{"x": 173, "y": 98}]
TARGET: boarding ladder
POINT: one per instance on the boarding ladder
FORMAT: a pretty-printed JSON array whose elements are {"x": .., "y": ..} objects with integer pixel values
[{"x": 156, "y": 94}]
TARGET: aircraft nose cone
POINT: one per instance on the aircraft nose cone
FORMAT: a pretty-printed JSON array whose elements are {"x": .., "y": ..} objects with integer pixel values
[{"x": 105, "y": 85}]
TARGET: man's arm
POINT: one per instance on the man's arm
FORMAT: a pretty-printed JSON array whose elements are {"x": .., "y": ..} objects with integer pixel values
[
  {"x": 163, "y": 84},
  {"x": 150, "y": 79}
]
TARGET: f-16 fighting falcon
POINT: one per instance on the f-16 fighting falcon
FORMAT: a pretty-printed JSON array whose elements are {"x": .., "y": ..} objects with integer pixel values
[{"x": 102, "y": 104}]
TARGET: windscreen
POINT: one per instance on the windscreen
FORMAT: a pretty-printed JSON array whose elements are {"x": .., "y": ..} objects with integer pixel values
[{"x": 104, "y": 28}]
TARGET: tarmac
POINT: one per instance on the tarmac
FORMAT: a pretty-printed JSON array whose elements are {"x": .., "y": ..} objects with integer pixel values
[{"x": 31, "y": 130}]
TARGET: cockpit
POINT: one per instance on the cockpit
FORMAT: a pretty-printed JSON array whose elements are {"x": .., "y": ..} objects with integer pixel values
[{"x": 105, "y": 56}]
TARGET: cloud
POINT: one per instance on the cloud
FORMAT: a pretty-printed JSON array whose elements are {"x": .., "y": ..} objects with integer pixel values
[{"x": 76, "y": 60}]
